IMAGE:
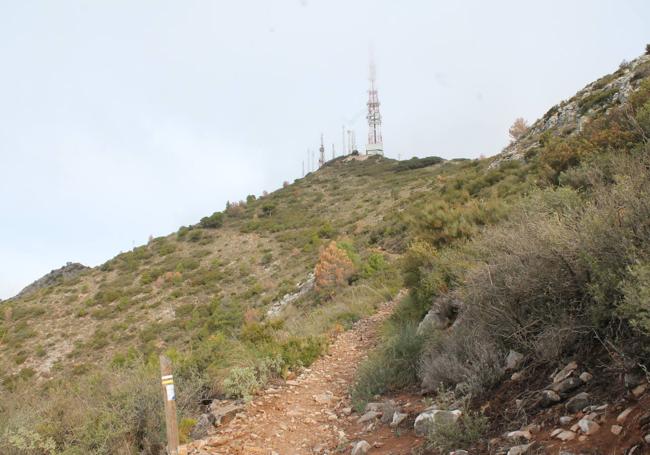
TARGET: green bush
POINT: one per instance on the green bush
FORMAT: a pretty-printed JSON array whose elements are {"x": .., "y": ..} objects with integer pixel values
[
  {"x": 392, "y": 367},
  {"x": 241, "y": 382},
  {"x": 213, "y": 221}
]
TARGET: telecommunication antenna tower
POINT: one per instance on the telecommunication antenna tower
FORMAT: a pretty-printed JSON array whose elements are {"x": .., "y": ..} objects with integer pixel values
[
  {"x": 321, "y": 159},
  {"x": 375, "y": 142}
]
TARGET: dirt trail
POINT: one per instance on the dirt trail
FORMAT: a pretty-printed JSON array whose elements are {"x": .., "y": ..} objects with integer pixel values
[{"x": 308, "y": 415}]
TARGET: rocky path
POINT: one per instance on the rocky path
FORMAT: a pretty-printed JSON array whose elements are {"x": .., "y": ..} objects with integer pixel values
[{"x": 310, "y": 414}]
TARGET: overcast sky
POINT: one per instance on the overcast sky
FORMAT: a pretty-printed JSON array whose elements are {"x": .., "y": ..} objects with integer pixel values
[{"x": 124, "y": 119}]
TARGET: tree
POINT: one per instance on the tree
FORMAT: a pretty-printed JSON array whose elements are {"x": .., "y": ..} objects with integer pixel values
[
  {"x": 518, "y": 129},
  {"x": 333, "y": 269},
  {"x": 647, "y": 49}
]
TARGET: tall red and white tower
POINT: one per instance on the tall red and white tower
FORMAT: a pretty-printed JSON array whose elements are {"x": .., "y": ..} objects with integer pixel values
[{"x": 375, "y": 143}]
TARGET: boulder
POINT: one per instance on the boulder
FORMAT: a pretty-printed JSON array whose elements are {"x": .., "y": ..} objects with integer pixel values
[
  {"x": 578, "y": 402},
  {"x": 428, "y": 419},
  {"x": 513, "y": 360},
  {"x": 361, "y": 448},
  {"x": 225, "y": 410}
]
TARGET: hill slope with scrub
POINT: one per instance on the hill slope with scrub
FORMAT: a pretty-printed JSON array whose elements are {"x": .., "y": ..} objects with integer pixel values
[{"x": 541, "y": 250}]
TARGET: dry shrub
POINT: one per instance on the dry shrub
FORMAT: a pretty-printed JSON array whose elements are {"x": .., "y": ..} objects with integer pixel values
[{"x": 333, "y": 269}]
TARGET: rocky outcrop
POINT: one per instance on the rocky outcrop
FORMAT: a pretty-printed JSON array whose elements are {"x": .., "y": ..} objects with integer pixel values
[
  {"x": 67, "y": 272},
  {"x": 302, "y": 289},
  {"x": 570, "y": 116}
]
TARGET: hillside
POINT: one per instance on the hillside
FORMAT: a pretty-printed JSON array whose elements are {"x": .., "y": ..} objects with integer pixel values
[{"x": 505, "y": 254}]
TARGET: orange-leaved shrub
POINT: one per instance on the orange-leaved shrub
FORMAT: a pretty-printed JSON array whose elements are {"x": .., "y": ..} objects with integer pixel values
[{"x": 333, "y": 269}]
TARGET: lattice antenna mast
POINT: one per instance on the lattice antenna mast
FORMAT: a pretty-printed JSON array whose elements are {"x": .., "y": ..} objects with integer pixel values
[
  {"x": 375, "y": 142},
  {"x": 321, "y": 159}
]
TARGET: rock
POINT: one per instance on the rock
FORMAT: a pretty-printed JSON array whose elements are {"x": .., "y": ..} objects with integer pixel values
[
  {"x": 555, "y": 432},
  {"x": 368, "y": 416},
  {"x": 204, "y": 423},
  {"x": 459, "y": 452},
  {"x": 302, "y": 288},
  {"x": 225, "y": 410},
  {"x": 588, "y": 426},
  {"x": 387, "y": 410},
  {"x": 373, "y": 407},
  {"x": 549, "y": 398},
  {"x": 639, "y": 390},
  {"x": 565, "y": 420},
  {"x": 323, "y": 398},
  {"x": 516, "y": 376},
  {"x": 519, "y": 450},
  {"x": 398, "y": 417},
  {"x": 565, "y": 372},
  {"x": 346, "y": 411},
  {"x": 567, "y": 385},
  {"x": 616, "y": 429},
  {"x": 646, "y": 438},
  {"x": 442, "y": 314},
  {"x": 566, "y": 435},
  {"x": 513, "y": 360},
  {"x": 623, "y": 415},
  {"x": 578, "y": 402},
  {"x": 361, "y": 448},
  {"x": 426, "y": 420},
  {"x": 519, "y": 435},
  {"x": 586, "y": 377}
]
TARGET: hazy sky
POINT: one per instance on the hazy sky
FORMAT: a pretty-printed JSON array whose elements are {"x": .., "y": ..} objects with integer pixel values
[{"x": 124, "y": 119}]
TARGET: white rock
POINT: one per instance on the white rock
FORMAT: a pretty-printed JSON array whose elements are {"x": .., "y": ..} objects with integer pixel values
[
  {"x": 588, "y": 427},
  {"x": 555, "y": 432},
  {"x": 519, "y": 450},
  {"x": 616, "y": 429},
  {"x": 565, "y": 420},
  {"x": 646, "y": 438},
  {"x": 360, "y": 448},
  {"x": 586, "y": 377}
]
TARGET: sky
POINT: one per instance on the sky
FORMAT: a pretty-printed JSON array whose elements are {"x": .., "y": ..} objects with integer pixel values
[{"x": 125, "y": 119}]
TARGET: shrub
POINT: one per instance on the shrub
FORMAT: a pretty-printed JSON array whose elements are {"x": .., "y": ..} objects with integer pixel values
[
  {"x": 469, "y": 429},
  {"x": 213, "y": 221},
  {"x": 241, "y": 383},
  {"x": 647, "y": 49},
  {"x": 333, "y": 269}
]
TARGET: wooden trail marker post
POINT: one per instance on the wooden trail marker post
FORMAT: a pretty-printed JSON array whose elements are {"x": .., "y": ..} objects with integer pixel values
[{"x": 169, "y": 395}]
